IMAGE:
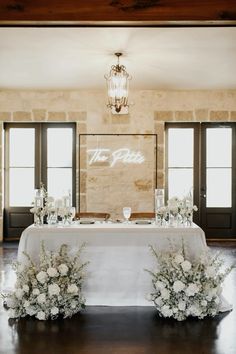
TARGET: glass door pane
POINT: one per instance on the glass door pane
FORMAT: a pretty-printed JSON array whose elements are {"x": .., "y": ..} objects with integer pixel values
[
  {"x": 219, "y": 167},
  {"x": 21, "y": 166},
  {"x": 59, "y": 161},
  {"x": 180, "y": 161}
]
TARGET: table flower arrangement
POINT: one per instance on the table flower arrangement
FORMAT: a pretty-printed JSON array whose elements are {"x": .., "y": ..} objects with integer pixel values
[
  {"x": 48, "y": 289},
  {"x": 184, "y": 288}
]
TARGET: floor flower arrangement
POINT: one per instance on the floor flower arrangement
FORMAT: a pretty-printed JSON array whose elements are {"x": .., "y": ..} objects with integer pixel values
[
  {"x": 48, "y": 289},
  {"x": 184, "y": 288}
]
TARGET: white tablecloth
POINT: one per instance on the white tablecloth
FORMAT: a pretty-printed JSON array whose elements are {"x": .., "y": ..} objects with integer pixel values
[{"x": 118, "y": 255}]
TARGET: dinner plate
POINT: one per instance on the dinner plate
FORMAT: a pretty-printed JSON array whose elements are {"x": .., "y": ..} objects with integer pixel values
[
  {"x": 86, "y": 222},
  {"x": 143, "y": 222}
]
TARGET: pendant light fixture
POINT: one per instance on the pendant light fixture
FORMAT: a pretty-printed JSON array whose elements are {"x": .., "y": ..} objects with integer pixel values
[{"x": 118, "y": 86}]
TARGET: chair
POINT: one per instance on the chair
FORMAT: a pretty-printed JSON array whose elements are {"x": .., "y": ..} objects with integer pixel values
[
  {"x": 142, "y": 215},
  {"x": 92, "y": 215}
]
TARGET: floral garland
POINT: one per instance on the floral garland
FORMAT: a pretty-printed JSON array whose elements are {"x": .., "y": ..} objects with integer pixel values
[
  {"x": 48, "y": 289},
  {"x": 183, "y": 288}
]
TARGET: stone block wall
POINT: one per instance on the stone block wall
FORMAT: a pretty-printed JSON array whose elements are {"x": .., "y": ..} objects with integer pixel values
[{"x": 148, "y": 114}]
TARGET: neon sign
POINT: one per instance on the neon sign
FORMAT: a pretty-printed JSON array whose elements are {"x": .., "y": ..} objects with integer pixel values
[{"x": 123, "y": 155}]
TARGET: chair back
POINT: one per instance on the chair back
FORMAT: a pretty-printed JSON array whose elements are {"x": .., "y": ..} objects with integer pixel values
[
  {"x": 92, "y": 215},
  {"x": 142, "y": 215}
]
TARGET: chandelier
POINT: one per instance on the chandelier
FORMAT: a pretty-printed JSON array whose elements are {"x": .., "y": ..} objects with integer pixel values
[{"x": 118, "y": 86}]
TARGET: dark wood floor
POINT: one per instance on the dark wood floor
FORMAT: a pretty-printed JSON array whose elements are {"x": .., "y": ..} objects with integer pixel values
[{"x": 117, "y": 330}]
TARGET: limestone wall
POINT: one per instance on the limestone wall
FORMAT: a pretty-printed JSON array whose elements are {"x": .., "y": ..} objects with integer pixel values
[{"x": 149, "y": 113}]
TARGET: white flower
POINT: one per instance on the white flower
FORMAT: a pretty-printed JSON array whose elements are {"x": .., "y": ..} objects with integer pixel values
[
  {"x": 30, "y": 311},
  {"x": 54, "y": 311},
  {"x": 165, "y": 294},
  {"x": 195, "y": 208},
  {"x": 63, "y": 269},
  {"x": 211, "y": 293},
  {"x": 210, "y": 272},
  {"x": 52, "y": 272},
  {"x": 192, "y": 289},
  {"x": 160, "y": 285},
  {"x": 36, "y": 291},
  {"x": 186, "y": 266},
  {"x": 158, "y": 301},
  {"x": 166, "y": 311},
  {"x": 26, "y": 288},
  {"x": 179, "y": 259},
  {"x": 26, "y": 304},
  {"x": 178, "y": 286},
  {"x": 182, "y": 306},
  {"x": 195, "y": 310},
  {"x": 12, "y": 313},
  {"x": 19, "y": 293},
  {"x": 11, "y": 302},
  {"x": 73, "y": 304},
  {"x": 53, "y": 289},
  {"x": 41, "y": 315},
  {"x": 204, "y": 303},
  {"x": 72, "y": 289},
  {"x": 41, "y": 298},
  {"x": 42, "y": 277}
]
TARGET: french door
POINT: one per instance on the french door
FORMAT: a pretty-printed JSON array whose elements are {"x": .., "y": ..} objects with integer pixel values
[
  {"x": 34, "y": 153},
  {"x": 218, "y": 176},
  {"x": 201, "y": 158}
]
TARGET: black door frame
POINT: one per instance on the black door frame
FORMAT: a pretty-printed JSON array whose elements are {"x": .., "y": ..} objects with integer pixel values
[{"x": 11, "y": 230}]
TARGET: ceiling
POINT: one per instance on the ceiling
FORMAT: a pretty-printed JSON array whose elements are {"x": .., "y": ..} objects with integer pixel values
[{"x": 157, "y": 58}]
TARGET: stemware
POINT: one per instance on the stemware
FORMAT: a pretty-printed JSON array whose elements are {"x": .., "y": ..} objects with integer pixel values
[{"x": 127, "y": 213}]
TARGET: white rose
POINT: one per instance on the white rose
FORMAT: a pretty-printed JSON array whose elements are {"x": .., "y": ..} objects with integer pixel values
[
  {"x": 158, "y": 301},
  {"x": 195, "y": 208},
  {"x": 166, "y": 311},
  {"x": 192, "y": 289},
  {"x": 36, "y": 291},
  {"x": 30, "y": 311},
  {"x": 42, "y": 277},
  {"x": 52, "y": 272},
  {"x": 73, "y": 304},
  {"x": 160, "y": 285},
  {"x": 19, "y": 293},
  {"x": 186, "y": 266},
  {"x": 26, "y": 304},
  {"x": 210, "y": 272},
  {"x": 53, "y": 289},
  {"x": 11, "y": 302},
  {"x": 182, "y": 306},
  {"x": 72, "y": 289},
  {"x": 54, "y": 311},
  {"x": 165, "y": 294},
  {"x": 41, "y": 316},
  {"x": 179, "y": 259},
  {"x": 195, "y": 310},
  {"x": 178, "y": 286},
  {"x": 41, "y": 298},
  {"x": 26, "y": 288},
  {"x": 204, "y": 303},
  {"x": 63, "y": 269},
  {"x": 211, "y": 294}
]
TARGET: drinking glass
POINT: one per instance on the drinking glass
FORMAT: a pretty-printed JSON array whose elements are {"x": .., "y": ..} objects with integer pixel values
[{"x": 127, "y": 213}]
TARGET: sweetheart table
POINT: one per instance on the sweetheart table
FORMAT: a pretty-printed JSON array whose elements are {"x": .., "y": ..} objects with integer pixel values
[{"x": 118, "y": 255}]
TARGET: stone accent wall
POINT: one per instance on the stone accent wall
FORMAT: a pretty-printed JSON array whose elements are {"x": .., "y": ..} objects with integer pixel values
[{"x": 148, "y": 114}]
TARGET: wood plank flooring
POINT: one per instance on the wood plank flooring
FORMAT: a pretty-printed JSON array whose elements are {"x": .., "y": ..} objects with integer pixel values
[{"x": 118, "y": 330}]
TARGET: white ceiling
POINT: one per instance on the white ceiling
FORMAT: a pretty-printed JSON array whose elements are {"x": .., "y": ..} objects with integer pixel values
[{"x": 157, "y": 58}]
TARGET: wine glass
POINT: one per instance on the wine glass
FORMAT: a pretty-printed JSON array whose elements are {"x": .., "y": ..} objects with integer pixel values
[{"x": 127, "y": 213}]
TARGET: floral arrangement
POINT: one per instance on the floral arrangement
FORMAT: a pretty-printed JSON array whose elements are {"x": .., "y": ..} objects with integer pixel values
[
  {"x": 49, "y": 289},
  {"x": 183, "y": 288}
]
